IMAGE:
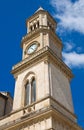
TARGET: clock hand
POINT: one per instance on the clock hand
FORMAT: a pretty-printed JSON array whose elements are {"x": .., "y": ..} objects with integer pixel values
[{"x": 32, "y": 48}]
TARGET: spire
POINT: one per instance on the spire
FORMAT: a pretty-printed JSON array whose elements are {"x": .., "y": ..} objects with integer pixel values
[{"x": 39, "y": 9}]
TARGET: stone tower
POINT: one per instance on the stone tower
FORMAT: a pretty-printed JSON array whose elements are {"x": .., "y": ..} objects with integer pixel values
[{"x": 42, "y": 99}]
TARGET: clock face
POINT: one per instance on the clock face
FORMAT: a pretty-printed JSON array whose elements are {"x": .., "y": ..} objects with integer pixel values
[{"x": 32, "y": 48}]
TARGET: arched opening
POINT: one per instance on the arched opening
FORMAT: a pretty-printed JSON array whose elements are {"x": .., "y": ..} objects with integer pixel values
[
  {"x": 38, "y": 24},
  {"x": 30, "y": 91},
  {"x": 34, "y": 26},
  {"x": 31, "y": 28}
]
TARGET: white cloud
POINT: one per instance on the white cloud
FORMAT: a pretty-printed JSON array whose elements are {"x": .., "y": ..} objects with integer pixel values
[
  {"x": 71, "y": 15},
  {"x": 74, "y": 59},
  {"x": 68, "y": 46}
]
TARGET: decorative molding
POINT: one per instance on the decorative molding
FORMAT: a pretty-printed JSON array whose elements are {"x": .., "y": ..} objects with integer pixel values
[
  {"x": 38, "y": 116},
  {"x": 41, "y": 55},
  {"x": 43, "y": 29},
  {"x": 27, "y": 110}
]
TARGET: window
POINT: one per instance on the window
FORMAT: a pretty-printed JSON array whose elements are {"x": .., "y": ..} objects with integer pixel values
[
  {"x": 27, "y": 90},
  {"x": 31, "y": 28},
  {"x": 30, "y": 91},
  {"x": 38, "y": 24},
  {"x": 33, "y": 90},
  {"x": 34, "y": 26}
]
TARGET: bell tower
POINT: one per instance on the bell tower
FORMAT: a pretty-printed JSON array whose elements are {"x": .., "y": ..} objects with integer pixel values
[
  {"x": 42, "y": 88},
  {"x": 39, "y": 27}
]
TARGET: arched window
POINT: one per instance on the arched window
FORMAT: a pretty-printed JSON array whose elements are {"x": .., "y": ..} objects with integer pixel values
[
  {"x": 34, "y": 26},
  {"x": 38, "y": 24},
  {"x": 31, "y": 28},
  {"x": 30, "y": 91}
]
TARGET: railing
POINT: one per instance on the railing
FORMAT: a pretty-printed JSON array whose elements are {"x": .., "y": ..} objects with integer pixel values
[{"x": 36, "y": 30}]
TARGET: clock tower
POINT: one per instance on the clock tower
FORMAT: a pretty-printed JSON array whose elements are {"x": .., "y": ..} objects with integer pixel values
[
  {"x": 42, "y": 98},
  {"x": 42, "y": 59}
]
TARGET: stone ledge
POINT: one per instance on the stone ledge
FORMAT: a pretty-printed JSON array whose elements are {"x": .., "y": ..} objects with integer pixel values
[
  {"x": 44, "y": 54},
  {"x": 43, "y": 29},
  {"x": 29, "y": 111},
  {"x": 39, "y": 115}
]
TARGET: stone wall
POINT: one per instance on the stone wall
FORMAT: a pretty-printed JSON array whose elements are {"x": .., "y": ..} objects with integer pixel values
[
  {"x": 60, "y": 89},
  {"x": 2, "y": 105},
  {"x": 5, "y": 103}
]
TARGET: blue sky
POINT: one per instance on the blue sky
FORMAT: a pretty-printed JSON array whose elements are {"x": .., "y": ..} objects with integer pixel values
[{"x": 70, "y": 17}]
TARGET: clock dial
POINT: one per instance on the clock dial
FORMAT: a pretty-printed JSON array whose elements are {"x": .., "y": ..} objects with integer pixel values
[{"x": 32, "y": 48}]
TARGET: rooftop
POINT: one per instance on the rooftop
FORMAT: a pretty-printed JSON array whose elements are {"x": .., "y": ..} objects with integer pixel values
[{"x": 39, "y": 9}]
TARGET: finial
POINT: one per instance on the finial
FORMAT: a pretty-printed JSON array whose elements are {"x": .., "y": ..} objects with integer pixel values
[{"x": 39, "y": 9}]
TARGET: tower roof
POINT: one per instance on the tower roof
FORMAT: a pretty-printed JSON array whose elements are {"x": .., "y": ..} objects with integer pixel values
[{"x": 39, "y": 9}]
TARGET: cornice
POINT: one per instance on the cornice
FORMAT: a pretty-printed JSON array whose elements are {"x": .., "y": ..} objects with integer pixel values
[
  {"x": 63, "y": 108},
  {"x": 44, "y": 54},
  {"x": 29, "y": 61},
  {"x": 32, "y": 117},
  {"x": 61, "y": 117},
  {"x": 38, "y": 116}
]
